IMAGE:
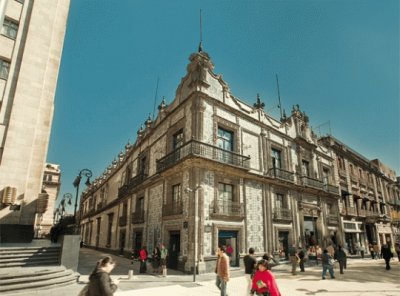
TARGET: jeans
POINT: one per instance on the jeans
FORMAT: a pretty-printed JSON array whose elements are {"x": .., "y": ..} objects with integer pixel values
[
  {"x": 221, "y": 284},
  {"x": 249, "y": 284},
  {"x": 329, "y": 268},
  {"x": 293, "y": 259},
  {"x": 301, "y": 264}
]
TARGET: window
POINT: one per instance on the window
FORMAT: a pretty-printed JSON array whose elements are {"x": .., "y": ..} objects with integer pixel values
[
  {"x": 340, "y": 163},
  {"x": 124, "y": 209},
  {"x": 109, "y": 231},
  {"x": 225, "y": 139},
  {"x": 360, "y": 173},
  {"x": 225, "y": 198},
  {"x": 128, "y": 173},
  {"x": 140, "y": 205},
  {"x": 176, "y": 194},
  {"x": 4, "y": 69},
  {"x": 143, "y": 166},
  {"x": 325, "y": 176},
  {"x": 305, "y": 168},
  {"x": 276, "y": 158},
  {"x": 177, "y": 139},
  {"x": 279, "y": 201},
  {"x": 9, "y": 29},
  {"x": 351, "y": 169}
]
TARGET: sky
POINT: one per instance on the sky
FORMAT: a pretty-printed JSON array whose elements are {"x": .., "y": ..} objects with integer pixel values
[{"x": 337, "y": 59}]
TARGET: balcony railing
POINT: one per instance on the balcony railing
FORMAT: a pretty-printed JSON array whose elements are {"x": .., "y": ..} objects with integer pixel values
[
  {"x": 196, "y": 148},
  {"x": 122, "y": 220},
  {"x": 351, "y": 211},
  {"x": 138, "y": 217},
  {"x": 281, "y": 174},
  {"x": 342, "y": 173},
  {"x": 282, "y": 214},
  {"x": 126, "y": 189},
  {"x": 171, "y": 209},
  {"x": 331, "y": 189},
  {"x": 362, "y": 212},
  {"x": 225, "y": 208},
  {"x": 310, "y": 182},
  {"x": 333, "y": 219},
  {"x": 353, "y": 178}
]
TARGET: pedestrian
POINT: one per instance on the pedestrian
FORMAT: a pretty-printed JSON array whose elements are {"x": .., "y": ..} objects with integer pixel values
[
  {"x": 319, "y": 253},
  {"x": 264, "y": 283},
  {"x": 250, "y": 263},
  {"x": 362, "y": 251},
  {"x": 163, "y": 261},
  {"x": 397, "y": 249},
  {"x": 100, "y": 283},
  {"x": 133, "y": 256},
  {"x": 386, "y": 254},
  {"x": 327, "y": 264},
  {"x": 302, "y": 255},
  {"x": 376, "y": 251},
  {"x": 229, "y": 252},
  {"x": 143, "y": 260},
  {"x": 293, "y": 258},
  {"x": 341, "y": 257},
  {"x": 155, "y": 260},
  {"x": 271, "y": 261},
  {"x": 371, "y": 250},
  {"x": 222, "y": 270}
]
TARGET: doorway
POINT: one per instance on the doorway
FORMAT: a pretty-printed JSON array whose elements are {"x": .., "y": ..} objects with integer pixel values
[
  {"x": 122, "y": 235},
  {"x": 137, "y": 242},
  {"x": 98, "y": 232},
  {"x": 283, "y": 238},
  {"x": 229, "y": 239},
  {"x": 174, "y": 249}
]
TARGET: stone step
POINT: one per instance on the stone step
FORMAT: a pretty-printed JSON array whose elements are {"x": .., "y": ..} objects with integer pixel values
[
  {"x": 5, "y": 251},
  {"x": 29, "y": 263},
  {"x": 30, "y": 278},
  {"x": 25, "y": 258},
  {"x": 15, "y": 272}
]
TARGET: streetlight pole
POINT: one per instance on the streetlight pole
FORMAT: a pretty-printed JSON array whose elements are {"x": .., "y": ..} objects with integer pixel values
[
  {"x": 66, "y": 196},
  {"x": 87, "y": 173}
]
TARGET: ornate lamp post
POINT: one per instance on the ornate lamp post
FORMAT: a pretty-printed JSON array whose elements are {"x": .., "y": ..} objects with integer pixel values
[{"x": 87, "y": 173}]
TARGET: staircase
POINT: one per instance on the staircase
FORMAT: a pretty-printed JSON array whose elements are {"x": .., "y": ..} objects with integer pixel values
[{"x": 32, "y": 267}]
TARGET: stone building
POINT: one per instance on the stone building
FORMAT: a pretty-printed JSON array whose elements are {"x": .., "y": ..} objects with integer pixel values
[
  {"x": 369, "y": 195},
  {"x": 257, "y": 181},
  {"x": 31, "y": 42}
]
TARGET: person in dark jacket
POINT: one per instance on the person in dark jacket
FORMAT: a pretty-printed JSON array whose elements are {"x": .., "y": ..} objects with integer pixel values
[
  {"x": 341, "y": 257},
  {"x": 249, "y": 268},
  {"x": 386, "y": 254},
  {"x": 302, "y": 256},
  {"x": 327, "y": 264},
  {"x": 100, "y": 283}
]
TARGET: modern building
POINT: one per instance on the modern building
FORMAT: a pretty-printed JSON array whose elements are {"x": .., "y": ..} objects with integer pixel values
[
  {"x": 31, "y": 42},
  {"x": 51, "y": 187},
  {"x": 369, "y": 195},
  {"x": 211, "y": 170}
]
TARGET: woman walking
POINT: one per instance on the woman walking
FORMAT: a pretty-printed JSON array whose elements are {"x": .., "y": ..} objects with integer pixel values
[
  {"x": 100, "y": 283},
  {"x": 155, "y": 260},
  {"x": 143, "y": 259},
  {"x": 264, "y": 282}
]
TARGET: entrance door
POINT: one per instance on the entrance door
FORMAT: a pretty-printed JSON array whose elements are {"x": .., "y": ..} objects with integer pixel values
[
  {"x": 283, "y": 238},
  {"x": 174, "y": 249},
  {"x": 229, "y": 239},
  {"x": 137, "y": 243},
  {"x": 122, "y": 235},
  {"x": 98, "y": 232}
]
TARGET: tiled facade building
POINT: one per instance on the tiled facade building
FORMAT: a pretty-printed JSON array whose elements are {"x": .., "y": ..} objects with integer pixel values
[
  {"x": 31, "y": 42},
  {"x": 259, "y": 182}
]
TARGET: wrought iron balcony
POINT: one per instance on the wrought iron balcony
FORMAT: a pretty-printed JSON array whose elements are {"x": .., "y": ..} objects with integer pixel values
[
  {"x": 196, "y": 148},
  {"x": 351, "y": 211},
  {"x": 171, "y": 209},
  {"x": 331, "y": 189},
  {"x": 281, "y": 174},
  {"x": 283, "y": 214},
  {"x": 138, "y": 217},
  {"x": 227, "y": 209},
  {"x": 362, "y": 212},
  {"x": 126, "y": 189},
  {"x": 122, "y": 220},
  {"x": 333, "y": 219},
  {"x": 310, "y": 182}
]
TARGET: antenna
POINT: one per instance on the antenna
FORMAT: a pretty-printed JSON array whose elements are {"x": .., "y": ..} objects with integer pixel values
[
  {"x": 201, "y": 34},
  {"x": 279, "y": 95},
  {"x": 155, "y": 98}
]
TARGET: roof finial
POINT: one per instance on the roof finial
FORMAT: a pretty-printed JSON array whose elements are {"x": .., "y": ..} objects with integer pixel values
[{"x": 201, "y": 34}]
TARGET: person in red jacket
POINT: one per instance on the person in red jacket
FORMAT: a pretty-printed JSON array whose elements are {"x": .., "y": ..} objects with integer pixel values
[
  {"x": 143, "y": 258},
  {"x": 264, "y": 281}
]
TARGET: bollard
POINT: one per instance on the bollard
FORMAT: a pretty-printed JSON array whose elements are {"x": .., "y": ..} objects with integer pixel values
[{"x": 130, "y": 274}]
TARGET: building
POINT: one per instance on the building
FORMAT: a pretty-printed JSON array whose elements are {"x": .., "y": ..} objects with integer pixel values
[
  {"x": 369, "y": 197},
  {"x": 255, "y": 181},
  {"x": 51, "y": 187},
  {"x": 31, "y": 42}
]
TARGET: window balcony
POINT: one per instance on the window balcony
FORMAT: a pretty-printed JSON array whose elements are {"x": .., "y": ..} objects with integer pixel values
[
  {"x": 342, "y": 173},
  {"x": 282, "y": 214},
  {"x": 199, "y": 149},
  {"x": 172, "y": 209},
  {"x": 126, "y": 189},
  {"x": 138, "y": 217},
  {"x": 354, "y": 178},
  {"x": 122, "y": 220},
  {"x": 331, "y": 189},
  {"x": 281, "y": 174},
  {"x": 333, "y": 219},
  {"x": 362, "y": 212},
  {"x": 229, "y": 210},
  {"x": 310, "y": 182},
  {"x": 350, "y": 211}
]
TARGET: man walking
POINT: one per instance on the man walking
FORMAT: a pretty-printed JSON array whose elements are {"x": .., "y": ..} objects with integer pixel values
[
  {"x": 302, "y": 256},
  {"x": 222, "y": 270},
  {"x": 327, "y": 264},
  {"x": 386, "y": 254},
  {"x": 163, "y": 261},
  {"x": 341, "y": 257},
  {"x": 249, "y": 266},
  {"x": 293, "y": 258}
]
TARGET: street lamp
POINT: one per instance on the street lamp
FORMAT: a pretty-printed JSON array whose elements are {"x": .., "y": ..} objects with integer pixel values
[
  {"x": 196, "y": 228},
  {"x": 87, "y": 173}
]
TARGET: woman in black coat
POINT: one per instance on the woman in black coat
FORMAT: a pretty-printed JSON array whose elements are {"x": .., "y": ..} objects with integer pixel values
[
  {"x": 386, "y": 254},
  {"x": 100, "y": 283}
]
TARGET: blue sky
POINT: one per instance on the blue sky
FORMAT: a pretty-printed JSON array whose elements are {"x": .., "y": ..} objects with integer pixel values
[{"x": 337, "y": 59}]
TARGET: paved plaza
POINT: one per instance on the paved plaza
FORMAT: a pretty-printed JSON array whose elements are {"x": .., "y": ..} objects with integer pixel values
[{"x": 362, "y": 277}]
